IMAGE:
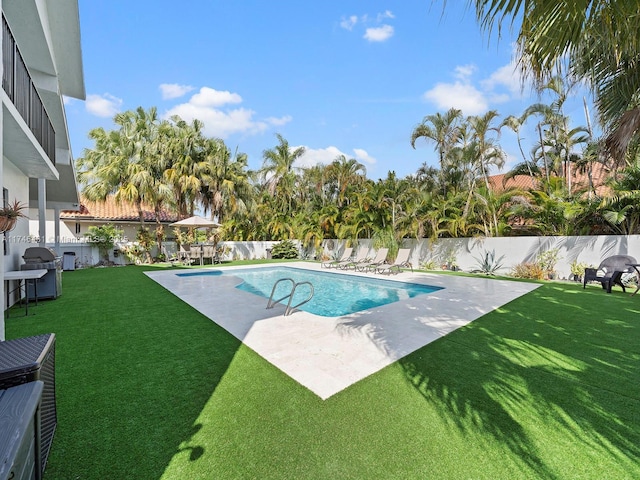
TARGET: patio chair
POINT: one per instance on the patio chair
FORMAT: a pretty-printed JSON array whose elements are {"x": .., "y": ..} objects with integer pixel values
[
  {"x": 378, "y": 260},
  {"x": 210, "y": 252},
  {"x": 360, "y": 257},
  {"x": 195, "y": 253},
  {"x": 171, "y": 257},
  {"x": 609, "y": 272},
  {"x": 346, "y": 255},
  {"x": 401, "y": 261},
  {"x": 184, "y": 254}
]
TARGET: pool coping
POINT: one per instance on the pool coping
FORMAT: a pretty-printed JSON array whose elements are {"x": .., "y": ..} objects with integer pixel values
[{"x": 328, "y": 354}]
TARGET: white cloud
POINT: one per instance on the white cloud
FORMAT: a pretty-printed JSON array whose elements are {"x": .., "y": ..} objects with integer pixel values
[
  {"x": 105, "y": 105},
  {"x": 508, "y": 76},
  {"x": 349, "y": 22},
  {"x": 208, "y": 106},
  {"x": 385, "y": 14},
  {"x": 210, "y": 97},
  {"x": 318, "y": 156},
  {"x": 464, "y": 72},
  {"x": 501, "y": 86},
  {"x": 379, "y": 34},
  {"x": 173, "y": 90},
  {"x": 277, "y": 122},
  {"x": 363, "y": 156},
  {"x": 324, "y": 156},
  {"x": 460, "y": 95}
]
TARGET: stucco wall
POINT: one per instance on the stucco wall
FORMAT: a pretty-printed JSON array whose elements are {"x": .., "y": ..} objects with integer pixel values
[{"x": 466, "y": 252}]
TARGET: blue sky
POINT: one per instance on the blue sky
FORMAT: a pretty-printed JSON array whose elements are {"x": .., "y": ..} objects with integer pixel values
[{"x": 347, "y": 77}]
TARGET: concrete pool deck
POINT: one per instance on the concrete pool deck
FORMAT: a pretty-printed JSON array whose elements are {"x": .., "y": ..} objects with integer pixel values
[{"x": 328, "y": 354}]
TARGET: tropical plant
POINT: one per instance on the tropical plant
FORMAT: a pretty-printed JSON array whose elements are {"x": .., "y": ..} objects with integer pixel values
[
  {"x": 488, "y": 264},
  {"x": 10, "y": 214},
  {"x": 103, "y": 237},
  {"x": 284, "y": 249},
  {"x": 528, "y": 270},
  {"x": 145, "y": 241},
  {"x": 596, "y": 39},
  {"x": 577, "y": 269},
  {"x": 547, "y": 260}
]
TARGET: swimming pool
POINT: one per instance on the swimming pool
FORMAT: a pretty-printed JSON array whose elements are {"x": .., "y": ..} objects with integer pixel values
[{"x": 336, "y": 294}]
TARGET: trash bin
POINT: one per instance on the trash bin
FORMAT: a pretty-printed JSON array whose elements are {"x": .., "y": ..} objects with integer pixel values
[
  {"x": 69, "y": 261},
  {"x": 268, "y": 254},
  {"x": 20, "y": 420},
  {"x": 26, "y": 360}
]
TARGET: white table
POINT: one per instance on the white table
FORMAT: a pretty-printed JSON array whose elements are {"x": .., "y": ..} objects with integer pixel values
[{"x": 23, "y": 276}]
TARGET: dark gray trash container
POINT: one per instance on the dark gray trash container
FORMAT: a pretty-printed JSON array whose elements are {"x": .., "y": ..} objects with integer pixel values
[
  {"x": 69, "y": 261},
  {"x": 25, "y": 360}
]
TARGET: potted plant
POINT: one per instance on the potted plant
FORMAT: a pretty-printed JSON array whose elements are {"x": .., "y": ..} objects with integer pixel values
[
  {"x": 577, "y": 270},
  {"x": 9, "y": 215}
]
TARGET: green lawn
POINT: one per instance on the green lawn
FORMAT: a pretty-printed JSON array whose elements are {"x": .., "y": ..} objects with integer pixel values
[{"x": 547, "y": 387}]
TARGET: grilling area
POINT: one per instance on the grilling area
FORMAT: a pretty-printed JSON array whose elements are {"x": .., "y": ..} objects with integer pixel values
[
  {"x": 50, "y": 284},
  {"x": 39, "y": 277}
]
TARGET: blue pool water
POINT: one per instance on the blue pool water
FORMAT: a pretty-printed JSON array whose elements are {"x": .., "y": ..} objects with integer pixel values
[{"x": 335, "y": 294}]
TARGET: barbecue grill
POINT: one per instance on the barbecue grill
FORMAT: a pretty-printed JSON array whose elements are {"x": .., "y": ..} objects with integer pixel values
[{"x": 42, "y": 258}]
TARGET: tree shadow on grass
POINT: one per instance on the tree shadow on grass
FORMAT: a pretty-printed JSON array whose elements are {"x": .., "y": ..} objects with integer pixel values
[
  {"x": 550, "y": 375},
  {"x": 134, "y": 368}
]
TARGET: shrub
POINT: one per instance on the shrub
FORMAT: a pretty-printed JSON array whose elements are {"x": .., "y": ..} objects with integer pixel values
[
  {"x": 104, "y": 237},
  {"x": 284, "y": 249},
  {"x": 489, "y": 264},
  {"x": 528, "y": 270}
]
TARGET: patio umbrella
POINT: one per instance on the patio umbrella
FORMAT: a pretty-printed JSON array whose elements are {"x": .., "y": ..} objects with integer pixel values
[{"x": 196, "y": 222}]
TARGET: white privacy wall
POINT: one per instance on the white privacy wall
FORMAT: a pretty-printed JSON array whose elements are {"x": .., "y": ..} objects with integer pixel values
[{"x": 466, "y": 252}]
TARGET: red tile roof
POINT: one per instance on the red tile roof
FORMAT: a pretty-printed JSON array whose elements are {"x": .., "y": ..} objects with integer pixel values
[
  {"x": 109, "y": 210},
  {"x": 579, "y": 181}
]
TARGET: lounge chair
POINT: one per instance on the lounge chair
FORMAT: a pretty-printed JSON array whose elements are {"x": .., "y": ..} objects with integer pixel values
[
  {"x": 171, "y": 257},
  {"x": 379, "y": 259},
  {"x": 346, "y": 255},
  {"x": 401, "y": 261},
  {"x": 609, "y": 272},
  {"x": 184, "y": 255},
  {"x": 361, "y": 257}
]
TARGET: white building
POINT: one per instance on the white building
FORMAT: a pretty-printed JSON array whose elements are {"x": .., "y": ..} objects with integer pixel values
[{"x": 41, "y": 62}]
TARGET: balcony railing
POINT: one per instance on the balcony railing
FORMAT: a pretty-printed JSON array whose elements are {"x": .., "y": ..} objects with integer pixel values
[{"x": 17, "y": 83}]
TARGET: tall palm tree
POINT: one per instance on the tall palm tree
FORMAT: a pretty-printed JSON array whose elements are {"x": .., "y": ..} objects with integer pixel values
[
  {"x": 225, "y": 182},
  {"x": 598, "y": 40},
  {"x": 185, "y": 163},
  {"x": 440, "y": 129},
  {"x": 279, "y": 164},
  {"x": 345, "y": 173}
]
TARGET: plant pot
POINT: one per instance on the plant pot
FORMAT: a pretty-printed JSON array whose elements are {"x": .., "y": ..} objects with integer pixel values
[{"x": 7, "y": 224}]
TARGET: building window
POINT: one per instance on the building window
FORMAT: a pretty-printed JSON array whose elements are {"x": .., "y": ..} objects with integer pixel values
[{"x": 78, "y": 228}]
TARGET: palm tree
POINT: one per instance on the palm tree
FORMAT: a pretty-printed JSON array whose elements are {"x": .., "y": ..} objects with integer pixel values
[
  {"x": 441, "y": 129},
  {"x": 278, "y": 164},
  {"x": 225, "y": 183},
  {"x": 598, "y": 40},
  {"x": 346, "y": 174},
  {"x": 185, "y": 163}
]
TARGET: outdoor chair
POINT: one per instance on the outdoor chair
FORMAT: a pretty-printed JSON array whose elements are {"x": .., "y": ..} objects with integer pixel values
[
  {"x": 171, "y": 257},
  {"x": 378, "y": 260},
  {"x": 184, "y": 255},
  {"x": 360, "y": 257},
  {"x": 609, "y": 272},
  {"x": 210, "y": 252},
  {"x": 195, "y": 253},
  {"x": 346, "y": 255},
  {"x": 401, "y": 261}
]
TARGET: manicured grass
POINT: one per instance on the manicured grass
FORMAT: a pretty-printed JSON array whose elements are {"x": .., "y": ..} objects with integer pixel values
[{"x": 545, "y": 387}]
